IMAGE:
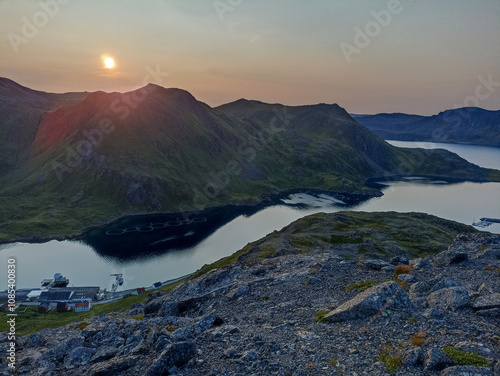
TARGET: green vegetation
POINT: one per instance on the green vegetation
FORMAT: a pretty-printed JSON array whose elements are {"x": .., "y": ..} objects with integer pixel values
[
  {"x": 174, "y": 149},
  {"x": 361, "y": 285},
  {"x": 392, "y": 358},
  {"x": 355, "y": 233},
  {"x": 463, "y": 358},
  {"x": 32, "y": 321},
  {"x": 320, "y": 315},
  {"x": 418, "y": 339}
]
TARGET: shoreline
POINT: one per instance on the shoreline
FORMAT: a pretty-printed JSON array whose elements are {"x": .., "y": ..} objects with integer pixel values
[{"x": 264, "y": 201}]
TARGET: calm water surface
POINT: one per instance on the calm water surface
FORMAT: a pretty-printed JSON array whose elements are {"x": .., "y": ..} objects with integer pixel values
[{"x": 83, "y": 265}]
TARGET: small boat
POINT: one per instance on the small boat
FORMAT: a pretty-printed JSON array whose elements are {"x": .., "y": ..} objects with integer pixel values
[{"x": 118, "y": 281}]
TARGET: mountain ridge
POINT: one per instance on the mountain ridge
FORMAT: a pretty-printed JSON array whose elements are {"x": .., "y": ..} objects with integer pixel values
[
  {"x": 470, "y": 125},
  {"x": 89, "y": 158}
]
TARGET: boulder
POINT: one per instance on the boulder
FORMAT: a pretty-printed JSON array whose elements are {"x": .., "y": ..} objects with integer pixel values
[
  {"x": 466, "y": 371},
  {"x": 104, "y": 353},
  {"x": 387, "y": 295},
  {"x": 112, "y": 367},
  {"x": 451, "y": 298},
  {"x": 443, "y": 284},
  {"x": 78, "y": 357},
  {"x": 436, "y": 360},
  {"x": 420, "y": 264},
  {"x": 376, "y": 264},
  {"x": 238, "y": 292},
  {"x": 176, "y": 355},
  {"x": 399, "y": 260},
  {"x": 490, "y": 301},
  {"x": 169, "y": 308},
  {"x": 413, "y": 358},
  {"x": 449, "y": 257},
  {"x": 154, "y": 305}
]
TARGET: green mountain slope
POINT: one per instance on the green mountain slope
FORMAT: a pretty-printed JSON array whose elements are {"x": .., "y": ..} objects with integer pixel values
[{"x": 103, "y": 155}]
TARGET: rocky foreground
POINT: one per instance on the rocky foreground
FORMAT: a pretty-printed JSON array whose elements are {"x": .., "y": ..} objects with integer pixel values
[{"x": 298, "y": 315}]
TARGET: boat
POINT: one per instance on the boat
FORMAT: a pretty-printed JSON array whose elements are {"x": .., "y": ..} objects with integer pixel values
[
  {"x": 485, "y": 222},
  {"x": 118, "y": 281},
  {"x": 58, "y": 281}
]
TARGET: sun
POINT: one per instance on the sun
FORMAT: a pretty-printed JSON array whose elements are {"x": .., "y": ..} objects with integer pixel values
[{"x": 109, "y": 62}]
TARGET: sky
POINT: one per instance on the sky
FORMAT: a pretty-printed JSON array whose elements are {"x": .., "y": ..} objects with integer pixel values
[{"x": 369, "y": 56}]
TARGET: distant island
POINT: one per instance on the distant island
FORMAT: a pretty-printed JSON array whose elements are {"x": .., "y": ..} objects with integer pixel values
[
  {"x": 468, "y": 125},
  {"x": 75, "y": 160}
]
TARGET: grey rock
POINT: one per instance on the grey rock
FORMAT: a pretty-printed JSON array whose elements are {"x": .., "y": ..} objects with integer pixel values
[
  {"x": 176, "y": 355},
  {"x": 153, "y": 306},
  {"x": 451, "y": 298},
  {"x": 443, "y": 284},
  {"x": 484, "y": 289},
  {"x": 78, "y": 357},
  {"x": 112, "y": 367},
  {"x": 205, "y": 323},
  {"x": 118, "y": 341},
  {"x": 35, "y": 340},
  {"x": 375, "y": 264},
  {"x": 162, "y": 343},
  {"x": 420, "y": 264},
  {"x": 388, "y": 268},
  {"x": 408, "y": 278},
  {"x": 250, "y": 356},
  {"x": 182, "y": 334},
  {"x": 399, "y": 260},
  {"x": 238, "y": 292},
  {"x": 466, "y": 371},
  {"x": 387, "y": 295},
  {"x": 436, "y": 360},
  {"x": 231, "y": 352},
  {"x": 487, "y": 302},
  {"x": 413, "y": 358},
  {"x": 494, "y": 312},
  {"x": 433, "y": 313},
  {"x": 449, "y": 257},
  {"x": 104, "y": 353},
  {"x": 169, "y": 308}
]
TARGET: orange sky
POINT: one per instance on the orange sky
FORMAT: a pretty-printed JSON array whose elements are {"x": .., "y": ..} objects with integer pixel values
[{"x": 368, "y": 56}]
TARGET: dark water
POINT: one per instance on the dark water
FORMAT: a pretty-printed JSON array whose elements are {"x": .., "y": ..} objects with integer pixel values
[{"x": 146, "y": 249}]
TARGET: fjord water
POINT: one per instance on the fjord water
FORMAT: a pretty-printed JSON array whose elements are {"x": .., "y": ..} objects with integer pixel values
[{"x": 85, "y": 266}]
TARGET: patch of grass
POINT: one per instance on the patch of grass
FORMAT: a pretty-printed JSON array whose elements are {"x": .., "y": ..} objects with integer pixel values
[
  {"x": 32, "y": 321},
  {"x": 418, "y": 339},
  {"x": 139, "y": 317},
  {"x": 302, "y": 242},
  {"x": 463, "y": 358},
  {"x": 361, "y": 285},
  {"x": 411, "y": 320},
  {"x": 392, "y": 359},
  {"x": 402, "y": 269},
  {"x": 320, "y": 315},
  {"x": 402, "y": 283},
  {"x": 266, "y": 298}
]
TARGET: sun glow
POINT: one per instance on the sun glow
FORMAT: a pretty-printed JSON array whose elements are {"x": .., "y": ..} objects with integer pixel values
[{"x": 109, "y": 62}]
